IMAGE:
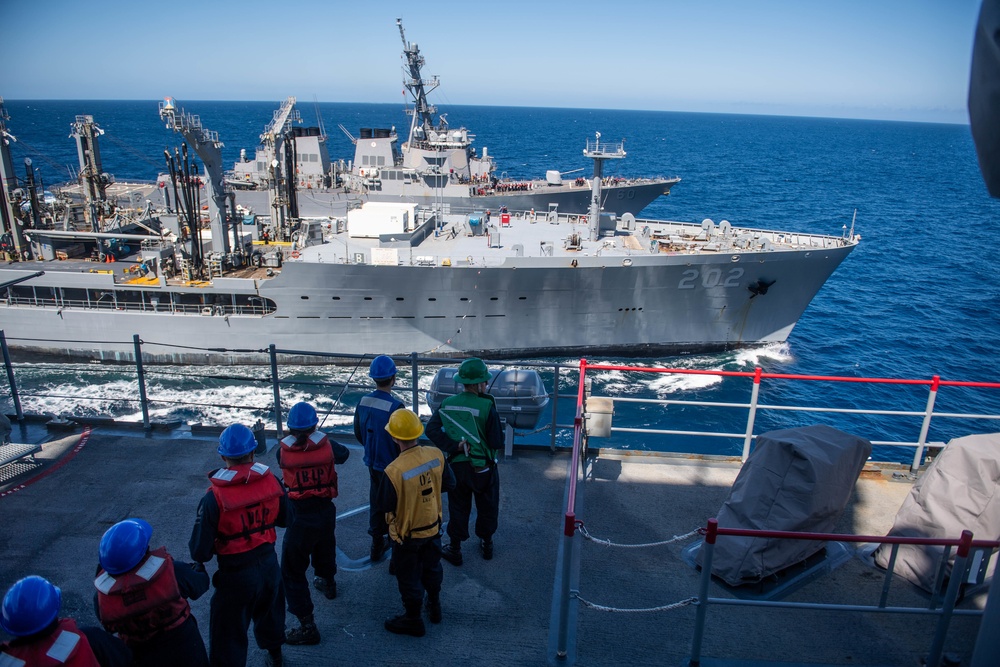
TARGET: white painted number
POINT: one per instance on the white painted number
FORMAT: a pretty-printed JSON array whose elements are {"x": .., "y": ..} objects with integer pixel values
[{"x": 710, "y": 277}]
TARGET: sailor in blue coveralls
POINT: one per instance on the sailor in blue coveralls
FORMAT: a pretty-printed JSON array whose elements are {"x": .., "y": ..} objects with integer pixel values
[
  {"x": 370, "y": 420},
  {"x": 235, "y": 523}
]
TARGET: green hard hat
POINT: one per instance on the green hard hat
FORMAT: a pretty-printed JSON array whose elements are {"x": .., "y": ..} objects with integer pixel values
[{"x": 473, "y": 371}]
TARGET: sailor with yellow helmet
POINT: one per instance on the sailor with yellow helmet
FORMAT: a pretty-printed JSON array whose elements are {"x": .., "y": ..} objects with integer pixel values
[{"x": 410, "y": 496}]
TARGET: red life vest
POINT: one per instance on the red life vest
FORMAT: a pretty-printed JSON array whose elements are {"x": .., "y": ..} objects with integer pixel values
[
  {"x": 247, "y": 495},
  {"x": 309, "y": 470},
  {"x": 143, "y": 602},
  {"x": 65, "y": 646}
]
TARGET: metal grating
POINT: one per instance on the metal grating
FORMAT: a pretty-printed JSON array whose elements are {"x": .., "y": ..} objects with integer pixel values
[{"x": 10, "y": 471}]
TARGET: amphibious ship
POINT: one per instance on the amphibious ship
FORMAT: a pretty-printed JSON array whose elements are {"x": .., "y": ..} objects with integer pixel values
[{"x": 437, "y": 166}]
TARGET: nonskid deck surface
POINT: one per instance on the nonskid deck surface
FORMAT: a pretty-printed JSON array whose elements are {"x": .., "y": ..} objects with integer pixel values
[{"x": 495, "y": 612}]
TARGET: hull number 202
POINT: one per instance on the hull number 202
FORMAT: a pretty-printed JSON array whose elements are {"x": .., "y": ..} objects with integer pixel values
[{"x": 710, "y": 276}]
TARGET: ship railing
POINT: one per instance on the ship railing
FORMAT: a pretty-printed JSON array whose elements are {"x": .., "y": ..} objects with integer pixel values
[
  {"x": 970, "y": 566},
  {"x": 970, "y": 563},
  {"x": 755, "y": 407},
  {"x": 284, "y": 373},
  {"x": 164, "y": 304}
]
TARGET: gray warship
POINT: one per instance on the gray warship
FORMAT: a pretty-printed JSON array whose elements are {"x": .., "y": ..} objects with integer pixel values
[
  {"x": 213, "y": 283},
  {"x": 437, "y": 166}
]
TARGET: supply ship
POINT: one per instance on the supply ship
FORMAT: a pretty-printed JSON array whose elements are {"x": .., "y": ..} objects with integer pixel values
[{"x": 383, "y": 277}]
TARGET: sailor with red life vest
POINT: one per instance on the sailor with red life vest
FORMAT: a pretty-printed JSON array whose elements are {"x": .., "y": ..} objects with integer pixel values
[
  {"x": 142, "y": 596},
  {"x": 370, "y": 419},
  {"x": 307, "y": 458},
  {"x": 30, "y": 613},
  {"x": 236, "y": 523}
]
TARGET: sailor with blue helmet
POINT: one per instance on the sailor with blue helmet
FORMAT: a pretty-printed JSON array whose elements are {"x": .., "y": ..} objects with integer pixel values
[
  {"x": 236, "y": 524},
  {"x": 308, "y": 459},
  {"x": 370, "y": 420},
  {"x": 30, "y": 612},
  {"x": 142, "y": 596}
]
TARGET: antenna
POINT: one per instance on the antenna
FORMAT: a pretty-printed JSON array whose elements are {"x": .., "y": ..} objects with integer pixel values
[
  {"x": 852, "y": 223},
  {"x": 319, "y": 117}
]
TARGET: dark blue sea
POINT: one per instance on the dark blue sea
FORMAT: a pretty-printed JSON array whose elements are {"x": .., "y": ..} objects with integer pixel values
[{"x": 919, "y": 297}]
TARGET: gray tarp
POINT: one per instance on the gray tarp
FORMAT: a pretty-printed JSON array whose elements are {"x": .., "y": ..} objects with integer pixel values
[
  {"x": 959, "y": 490},
  {"x": 797, "y": 479}
]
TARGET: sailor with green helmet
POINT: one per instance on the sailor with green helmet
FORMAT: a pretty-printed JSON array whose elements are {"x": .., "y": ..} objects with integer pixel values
[{"x": 467, "y": 428}]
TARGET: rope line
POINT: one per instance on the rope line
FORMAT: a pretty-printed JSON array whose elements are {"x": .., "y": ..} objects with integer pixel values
[
  {"x": 646, "y": 610},
  {"x": 608, "y": 543}
]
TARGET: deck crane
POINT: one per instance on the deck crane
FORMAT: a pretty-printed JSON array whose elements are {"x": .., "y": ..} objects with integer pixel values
[
  {"x": 11, "y": 235},
  {"x": 281, "y": 172},
  {"x": 208, "y": 147}
]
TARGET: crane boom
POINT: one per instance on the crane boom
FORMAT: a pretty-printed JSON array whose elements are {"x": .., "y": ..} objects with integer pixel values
[{"x": 207, "y": 146}]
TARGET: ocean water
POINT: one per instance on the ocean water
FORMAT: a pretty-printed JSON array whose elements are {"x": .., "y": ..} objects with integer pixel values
[{"x": 919, "y": 297}]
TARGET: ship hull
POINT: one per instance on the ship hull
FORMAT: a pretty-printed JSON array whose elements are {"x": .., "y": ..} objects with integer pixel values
[
  {"x": 569, "y": 199},
  {"x": 656, "y": 305}
]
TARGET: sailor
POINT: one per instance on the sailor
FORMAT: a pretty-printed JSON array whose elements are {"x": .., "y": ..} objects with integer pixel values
[
  {"x": 308, "y": 461},
  {"x": 235, "y": 522},
  {"x": 467, "y": 428},
  {"x": 30, "y": 613},
  {"x": 370, "y": 419},
  {"x": 142, "y": 597},
  {"x": 410, "y": 495}
]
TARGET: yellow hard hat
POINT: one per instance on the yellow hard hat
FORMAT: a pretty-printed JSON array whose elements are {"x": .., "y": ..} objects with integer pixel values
[{"x": 404, "y": 425}]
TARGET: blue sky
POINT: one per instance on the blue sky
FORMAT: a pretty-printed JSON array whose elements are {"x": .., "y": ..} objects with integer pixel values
[{"x": 884, "y": 59}]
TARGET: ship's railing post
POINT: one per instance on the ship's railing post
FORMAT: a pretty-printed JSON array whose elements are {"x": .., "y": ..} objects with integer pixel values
[
  {"x": 567, "y": 547},
  {"x": 414, "y": 370},
  {"x": 925, "y": 426},
  {"x": 277, "y": 391},
  {"x": 141, "y": 375},
  {"x": 987, "y": 648},
  {"x": 10, "y": 377},
  {"x": 957, "y": 575},
  {"x": 707, "y": 548},
  {"x": 752, "y": 415},
  {"x": 555, "y": 406}
]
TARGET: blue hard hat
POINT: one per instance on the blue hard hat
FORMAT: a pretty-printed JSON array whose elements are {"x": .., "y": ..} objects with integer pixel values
[
  {"x": 30, "y": 606},
  {"x": 302, "y": 416},
  {"x": 123, "y": 545},
  {"x": 382, "y": 368},
  {"x": 236, "y": 441}
]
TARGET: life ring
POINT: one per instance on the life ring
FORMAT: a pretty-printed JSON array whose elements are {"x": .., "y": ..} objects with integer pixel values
[{"x": 296, "y": 254}]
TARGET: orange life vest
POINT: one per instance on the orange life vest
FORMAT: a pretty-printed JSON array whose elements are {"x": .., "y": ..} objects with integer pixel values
[
  {"x": 143, "y": 602},
  {"x": 65, "y": 646},
  {"x": 309, "y": 470},
  {"x": 247, "y": 495}
]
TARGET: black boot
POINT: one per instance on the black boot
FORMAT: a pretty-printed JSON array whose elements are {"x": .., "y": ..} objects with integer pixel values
[
  {"x": 487, "y": 547},
  {"x": 406, "y": 625},
  {"x": 327, "y": 587},
  {"x": 452, "y": 553},
  {"x": 434, "y": 608},
  {"x": 307, "y": 634},
  {"x": 273, "y": 658}
]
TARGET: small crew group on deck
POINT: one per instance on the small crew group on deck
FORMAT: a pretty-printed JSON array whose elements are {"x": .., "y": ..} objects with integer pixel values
[{"x": 141, "y": 593}]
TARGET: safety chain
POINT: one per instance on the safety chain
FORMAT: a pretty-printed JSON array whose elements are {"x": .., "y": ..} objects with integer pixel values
[
  {"x": 666, "y": 607},
  {"x": 609, "y": 543}
]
